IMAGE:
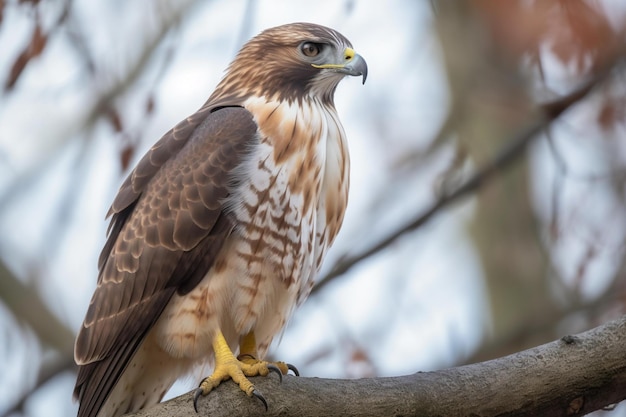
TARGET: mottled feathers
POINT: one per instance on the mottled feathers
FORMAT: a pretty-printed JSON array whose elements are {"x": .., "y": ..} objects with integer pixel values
[
  {"x": 167, "y": 226},
  {"x": 223, "y": 224}
]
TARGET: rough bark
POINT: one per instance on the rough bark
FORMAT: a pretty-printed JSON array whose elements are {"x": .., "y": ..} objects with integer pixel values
[{"x": 568, "y": 377}]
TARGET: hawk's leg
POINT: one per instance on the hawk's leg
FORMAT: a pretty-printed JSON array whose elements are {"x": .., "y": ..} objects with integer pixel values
[
  {"x": 229, "y": 367},
  {"x": 248, "y": 354}
]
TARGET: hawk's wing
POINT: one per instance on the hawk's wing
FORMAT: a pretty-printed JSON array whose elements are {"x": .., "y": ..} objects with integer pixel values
[{"x": 168, "y": 225}]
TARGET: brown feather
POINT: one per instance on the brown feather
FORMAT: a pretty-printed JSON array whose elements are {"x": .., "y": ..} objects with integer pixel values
[{"x": 148, "y": 258}]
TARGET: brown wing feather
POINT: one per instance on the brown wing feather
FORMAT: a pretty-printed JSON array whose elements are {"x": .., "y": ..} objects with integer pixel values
[{"x": 168, "y": 225}]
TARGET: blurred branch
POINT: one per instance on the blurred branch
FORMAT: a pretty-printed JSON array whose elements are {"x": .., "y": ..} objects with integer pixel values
[
  {"x": 169, "y": 19},
  {"x": 512, "y": 151},
  {"x": 545, "y": 329},
  {"x": 246, "y": 23},
  {"x": 23, "y": 300},
  {"x": 572, "y": 315},
  {"x": 46, "y": 373},
  {"x": 28, "y": 307},
  {"x": 572, "y": 376},
  {"x": 104, "y": 103},
  {"x": 36, "y": 45}
]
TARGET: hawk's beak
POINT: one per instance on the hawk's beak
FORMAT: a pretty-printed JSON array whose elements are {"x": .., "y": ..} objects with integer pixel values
[
  {"x": 356, "y": 65},
  {"x": 353, "y": 64}
]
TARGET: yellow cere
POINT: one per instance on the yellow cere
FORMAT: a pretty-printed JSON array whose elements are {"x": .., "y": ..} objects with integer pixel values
[{"x": 348, "y": 54}]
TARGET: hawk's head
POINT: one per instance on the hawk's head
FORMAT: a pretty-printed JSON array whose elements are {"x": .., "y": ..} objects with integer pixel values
[{"x": 291, "y": 62}]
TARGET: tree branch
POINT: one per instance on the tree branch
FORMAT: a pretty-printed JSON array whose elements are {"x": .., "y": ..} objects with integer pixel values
[
  {"x": 47, "y": 372},
  {"x": 29, "y": 308},
  {"x": 571, "y": 376}
]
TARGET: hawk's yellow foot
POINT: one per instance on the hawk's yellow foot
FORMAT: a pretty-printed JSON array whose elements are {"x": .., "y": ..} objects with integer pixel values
[
  {"x": 229, "y": 367},
  {"x": 281, "y": 368},
  {"x": 248, "y": 354}
]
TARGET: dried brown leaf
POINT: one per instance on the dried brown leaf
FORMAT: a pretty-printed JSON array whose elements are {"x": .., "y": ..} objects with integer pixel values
[
  {"x": 359, "y": 355},
  {"x": 33, "y": 49},
  {"x": 150, "y": 104},
  {"x": 126, "y": 155},
  {"x": 115, "y": 119},
  {"x": 612, "y": 113},
  {"x": 518, "y": 26},
  {"x": 578, "y": 32},
  {"x": 582, "y": 35},
  {"x": 37, "y": 41}
]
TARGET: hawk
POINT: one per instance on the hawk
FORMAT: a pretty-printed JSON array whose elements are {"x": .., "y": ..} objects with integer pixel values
[{"x": 220, "y": 230}]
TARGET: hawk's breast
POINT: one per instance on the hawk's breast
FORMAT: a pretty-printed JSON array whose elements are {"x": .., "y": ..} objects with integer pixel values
[
  {"x": 287, "y": 201},
  {"x": 297, "y": 188}
]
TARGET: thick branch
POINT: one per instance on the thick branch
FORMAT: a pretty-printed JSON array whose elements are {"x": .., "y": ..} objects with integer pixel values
[{"x": 571, "y": 376}]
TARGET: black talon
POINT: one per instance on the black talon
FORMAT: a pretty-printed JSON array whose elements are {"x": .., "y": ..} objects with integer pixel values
[
  {"x": 197, "y": 393},
  {"x": 260, "y": 397},
  {"x": 293, "y": 369},
  {"x": 273, "y": 368}
]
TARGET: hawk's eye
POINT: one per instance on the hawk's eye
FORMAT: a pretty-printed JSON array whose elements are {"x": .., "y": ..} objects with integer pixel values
[{"x": 311, "y": 49}]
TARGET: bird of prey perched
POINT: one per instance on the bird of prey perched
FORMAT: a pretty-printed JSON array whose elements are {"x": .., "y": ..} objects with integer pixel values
[{"x": 220, "y": 230}]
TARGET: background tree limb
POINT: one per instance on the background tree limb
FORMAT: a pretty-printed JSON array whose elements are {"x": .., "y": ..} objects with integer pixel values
[{"x": 568, "y": 377}]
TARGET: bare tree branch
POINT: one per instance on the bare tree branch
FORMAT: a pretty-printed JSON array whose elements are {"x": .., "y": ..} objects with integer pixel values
[
  {"x": 28, "y": 308},
  {"x": 46, "y": 373},
  {"x": 106, "y": 98},
  {"x": 523, "y": 337},
  {"x": 572, "y": 376}
]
